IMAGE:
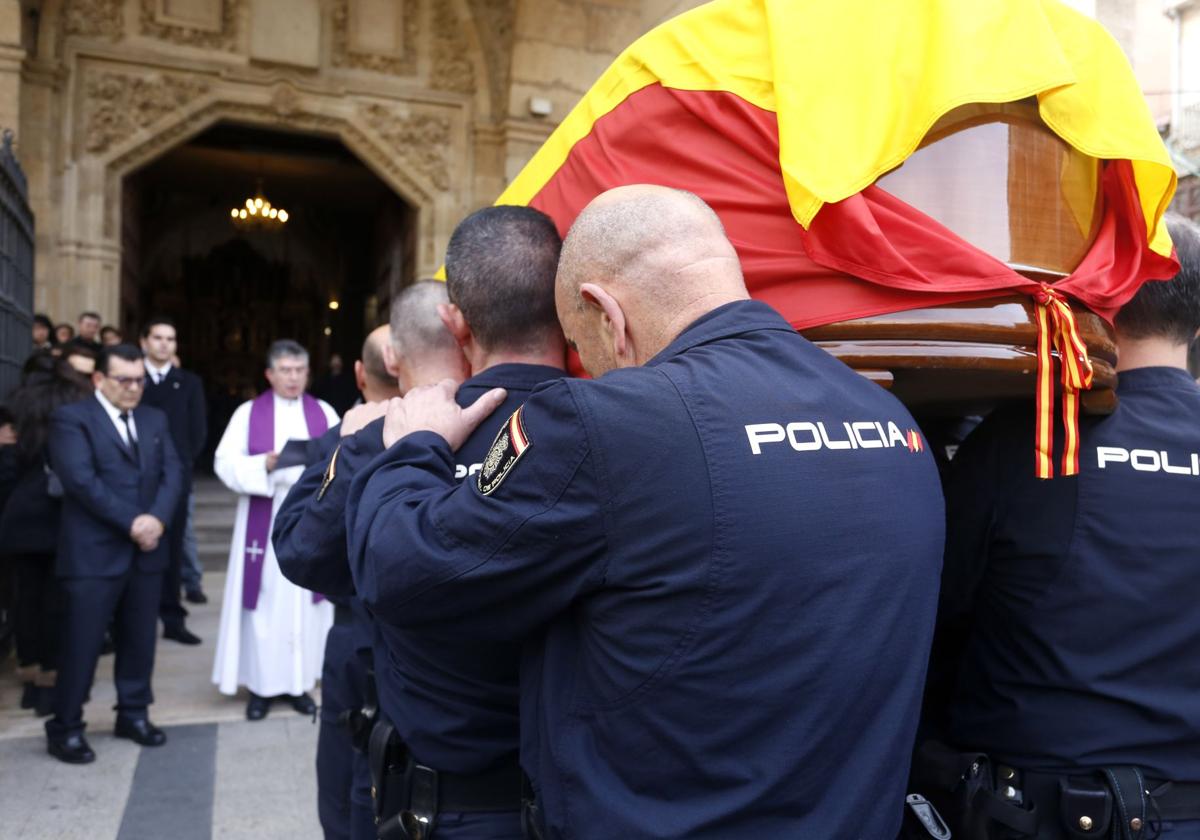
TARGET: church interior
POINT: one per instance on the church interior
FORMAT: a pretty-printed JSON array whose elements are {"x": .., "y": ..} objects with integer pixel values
[{"x": 234, "y": 280}]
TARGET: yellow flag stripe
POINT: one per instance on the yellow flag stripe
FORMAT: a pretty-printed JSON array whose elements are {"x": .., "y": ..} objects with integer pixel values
[{"x": 854, "y": 101}]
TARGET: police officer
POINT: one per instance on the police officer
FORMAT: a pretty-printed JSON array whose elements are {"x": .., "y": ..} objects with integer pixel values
[
  {"x": 722, "y": 552},
  {"x": 1076, "y": 598},
  {"x": 310, "y": 542},
  {"x": 454, "y": 708}
]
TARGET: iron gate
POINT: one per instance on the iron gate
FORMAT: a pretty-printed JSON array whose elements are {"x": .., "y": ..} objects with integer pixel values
[{"x": 16, "y": 267}]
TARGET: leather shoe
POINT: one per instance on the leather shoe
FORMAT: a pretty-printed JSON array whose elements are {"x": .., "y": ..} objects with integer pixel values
[
  {"x": 73, "y": 749},
  {"x": 140, "y": 730},
  {"x": 304, "y": 704},
  {"x": 257, "y": 707},
  {"x": 182, "y": 635},
  {"x": 195, "y": 596}
]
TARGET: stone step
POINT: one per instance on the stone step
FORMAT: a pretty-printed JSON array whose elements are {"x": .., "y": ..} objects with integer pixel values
[{"x": 214, "y": 517}]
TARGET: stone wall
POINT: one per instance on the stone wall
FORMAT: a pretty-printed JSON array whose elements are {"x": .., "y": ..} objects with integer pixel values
[{"x": 432, "y": 95}]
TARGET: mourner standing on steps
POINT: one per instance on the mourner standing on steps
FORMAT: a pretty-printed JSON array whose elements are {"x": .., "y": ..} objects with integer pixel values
[
  {"x": 180, "y": 395},
  {"x": 1076, "y": 599},
  {"x": 726, "y": 622},
  {"x": 121, "y": 482},
  {"x": 272, "y": 634}
]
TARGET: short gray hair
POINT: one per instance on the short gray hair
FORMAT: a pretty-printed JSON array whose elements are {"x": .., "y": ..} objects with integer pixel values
[
  {"x": 416, "y": 327},
  {"x": 285, "y": 347}
]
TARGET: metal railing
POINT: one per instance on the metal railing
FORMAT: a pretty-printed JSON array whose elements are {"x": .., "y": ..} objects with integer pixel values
[{"x": 16, "y": 266}]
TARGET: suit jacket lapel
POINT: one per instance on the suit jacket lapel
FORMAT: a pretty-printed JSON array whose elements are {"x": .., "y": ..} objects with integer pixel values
[
  {"x": 106, "y": 423},
  {"x": 143, "y": 441}
]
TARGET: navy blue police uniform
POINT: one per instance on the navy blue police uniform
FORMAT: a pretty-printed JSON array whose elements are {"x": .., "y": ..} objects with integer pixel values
[
  {"x": 1076, "y": 601},
  {"x": 725, "y": 567},
  {"x": 464, "y": 727},
  {"x": 309, "y": 536}
]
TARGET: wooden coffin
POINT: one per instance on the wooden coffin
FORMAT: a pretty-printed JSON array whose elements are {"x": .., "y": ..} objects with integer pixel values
[{"x": 1000, "y": 179}]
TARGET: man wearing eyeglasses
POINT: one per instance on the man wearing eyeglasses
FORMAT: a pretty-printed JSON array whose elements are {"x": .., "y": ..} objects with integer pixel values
[{"x": 121, "y": 481}]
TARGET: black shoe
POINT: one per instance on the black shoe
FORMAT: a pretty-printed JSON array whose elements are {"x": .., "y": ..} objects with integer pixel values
[
  {"x": 73, "y": 749},
  {"x": 304, "y": 704},
  {"x": 45, "y": 701},
  {"x": 257, "y": 707},
  {"x": 29, "y": 696},
  {"x": 195, "y": 596},
  {"x": 180, "y": 633},
  {"x": 141, "y": 730}
]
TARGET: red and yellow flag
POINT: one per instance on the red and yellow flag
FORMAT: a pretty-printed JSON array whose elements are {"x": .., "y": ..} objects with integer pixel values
[{"x": 782, "y": 115}]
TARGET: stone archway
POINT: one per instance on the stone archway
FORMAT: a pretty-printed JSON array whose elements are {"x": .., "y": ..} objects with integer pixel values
[{"x": 130, "y": 118}]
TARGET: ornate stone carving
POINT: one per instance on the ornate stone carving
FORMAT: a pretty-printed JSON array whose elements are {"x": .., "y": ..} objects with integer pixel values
[
  {"x": 403, "y": 64},
  {"x": 422, "y": 140},
  {"x": 225, "y": 39},
  {"x": 119, "y": 104},
  {"x": 285, "y": 101},
  {"x": 452, "y": 67},
  {"x": 95, "y": 18},
  {"x": 495, "y": 21}
]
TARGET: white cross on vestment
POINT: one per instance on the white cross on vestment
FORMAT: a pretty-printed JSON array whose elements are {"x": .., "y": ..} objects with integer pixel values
[{"x": 254, "y": 551}]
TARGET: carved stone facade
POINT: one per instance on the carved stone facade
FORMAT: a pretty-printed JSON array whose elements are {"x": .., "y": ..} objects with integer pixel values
[
  {"x": 218, "y": 31},
  {"x": 401, "y": 60},
  {"x": 119, "y": 104},
  {"x": 432, "y": 95},
  {"x": 420, "y": 140},
  {"x": 95, "y": 18},
  {"x": 453, "y": 68}
]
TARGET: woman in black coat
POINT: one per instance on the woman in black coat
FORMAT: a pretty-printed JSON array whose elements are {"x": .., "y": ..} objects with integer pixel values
[{"x": 29, "y": 523}]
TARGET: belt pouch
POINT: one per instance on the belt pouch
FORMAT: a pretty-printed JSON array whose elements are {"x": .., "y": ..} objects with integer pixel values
[{"x": 1085, "y": 806}]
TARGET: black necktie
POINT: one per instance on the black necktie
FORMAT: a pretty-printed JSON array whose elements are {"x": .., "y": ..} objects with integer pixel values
[{"x": 133, "y": 447}]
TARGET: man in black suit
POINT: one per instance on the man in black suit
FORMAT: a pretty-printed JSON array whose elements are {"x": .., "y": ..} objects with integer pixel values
[
  {"x": 88, "y": 333},
  {"x": 180, "y": 395},
  {"x": 121, "y": 484}
]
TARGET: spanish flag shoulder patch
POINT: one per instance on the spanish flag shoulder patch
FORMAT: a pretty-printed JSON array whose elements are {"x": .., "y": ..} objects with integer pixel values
[{"x": 510, "y": 444}]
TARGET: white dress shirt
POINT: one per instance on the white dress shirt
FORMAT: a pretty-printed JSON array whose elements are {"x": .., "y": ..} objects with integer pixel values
[
  {"x": 114, "y": 414},
  {"x": 156, "y": 373}
]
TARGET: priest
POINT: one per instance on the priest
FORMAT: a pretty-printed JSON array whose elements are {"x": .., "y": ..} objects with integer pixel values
[{"x": 272, "y": 635}]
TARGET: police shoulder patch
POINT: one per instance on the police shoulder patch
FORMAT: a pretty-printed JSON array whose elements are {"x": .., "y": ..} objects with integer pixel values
[{"x": 510, "y": 444}]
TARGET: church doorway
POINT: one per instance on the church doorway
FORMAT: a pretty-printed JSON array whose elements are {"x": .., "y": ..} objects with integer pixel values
[{"x": 233, "y": 285}]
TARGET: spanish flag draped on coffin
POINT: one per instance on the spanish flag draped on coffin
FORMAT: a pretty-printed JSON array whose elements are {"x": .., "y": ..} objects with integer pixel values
[{"x": 793, "y": 119}]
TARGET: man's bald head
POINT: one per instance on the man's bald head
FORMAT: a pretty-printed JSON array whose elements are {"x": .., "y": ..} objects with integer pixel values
[
  {"x": 654, "y": 238},
  {"x": 374, "y": 380},
  {"x": 416, "y": 327},
  {"x": 660, "y": 253},
  {"x": 422, "y": 349}
]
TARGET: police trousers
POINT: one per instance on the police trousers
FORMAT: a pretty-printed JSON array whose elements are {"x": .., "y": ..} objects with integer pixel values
[{"x": 343, "y": 777}]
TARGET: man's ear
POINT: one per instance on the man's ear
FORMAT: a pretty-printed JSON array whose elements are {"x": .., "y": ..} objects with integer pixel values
[
  {"x": 360, "y": 379},
  {"x": 453, "y": 318},
  {"x": 97, "y": 378},
  {"x": 612, "y": 317},
  {"x": 390, "y": 362}
]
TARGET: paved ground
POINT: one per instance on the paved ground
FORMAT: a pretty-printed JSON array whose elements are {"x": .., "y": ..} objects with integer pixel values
[{"x": 218, "y": 776}]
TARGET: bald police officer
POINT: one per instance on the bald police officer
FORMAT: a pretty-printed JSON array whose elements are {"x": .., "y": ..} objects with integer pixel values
[
  {"x": 1076, "y": 597},
  {"x": 722, "y": 553},
  {"x": 453, "y": 766},
  {"x": 310, "y": 541}
]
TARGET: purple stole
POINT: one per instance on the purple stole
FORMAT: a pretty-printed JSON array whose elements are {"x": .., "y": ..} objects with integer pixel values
[{"x": 258, "y": 522}]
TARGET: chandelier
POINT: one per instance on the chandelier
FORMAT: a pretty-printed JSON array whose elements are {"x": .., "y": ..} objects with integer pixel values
[{"x": 259, "y": 212}]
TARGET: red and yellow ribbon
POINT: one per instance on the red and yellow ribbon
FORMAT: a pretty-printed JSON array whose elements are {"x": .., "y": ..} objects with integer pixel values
[{"x": 1057, "y": 331}]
